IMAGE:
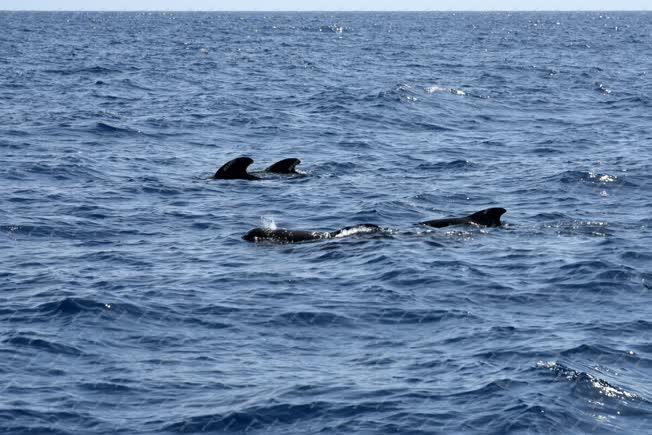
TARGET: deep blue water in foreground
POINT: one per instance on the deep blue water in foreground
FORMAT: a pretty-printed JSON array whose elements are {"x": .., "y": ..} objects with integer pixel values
[{"x": 130, "y": 304}]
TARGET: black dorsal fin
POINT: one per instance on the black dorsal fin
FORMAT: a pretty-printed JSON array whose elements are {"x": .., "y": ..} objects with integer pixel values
[
  {"x": 235, "y": 169},
  {"x": 489, "y": 217},
  {"x": 285, "y": 166}
]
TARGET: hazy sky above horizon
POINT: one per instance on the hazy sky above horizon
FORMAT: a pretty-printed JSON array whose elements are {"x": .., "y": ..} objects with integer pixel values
[{"x": 325, "y": 5}]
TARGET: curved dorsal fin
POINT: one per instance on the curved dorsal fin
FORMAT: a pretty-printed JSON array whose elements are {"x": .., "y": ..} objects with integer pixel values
[
  {"x": 235, "y": 169},
  {"x": 489, "y": 217},
  {"x": 285, "y": 166}
]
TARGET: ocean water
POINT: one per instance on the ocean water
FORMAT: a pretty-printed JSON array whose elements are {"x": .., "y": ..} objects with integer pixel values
[{"x": 130, "y": 304}]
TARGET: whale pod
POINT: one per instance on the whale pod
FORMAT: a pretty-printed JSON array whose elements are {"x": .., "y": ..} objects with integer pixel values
[
  {"x": 295, "y": 236},
  {"x": 236, "y": 169},
  {"x": 489, "y": 217}
]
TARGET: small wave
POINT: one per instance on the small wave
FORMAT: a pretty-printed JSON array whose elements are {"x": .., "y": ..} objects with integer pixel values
[
  {"x": 402, "y": 92},
  {"x": 19, "y": 133},
  {"x": 439, "y": 89},
  {"x": 637, "y": 256},
  {"x": 590, "y": 177},
  {"x": 333, "y": 28},
  {"x": 547, "y": 151},
  {"x": 105, "y": 128},
  {"x": 581, "y": 227},
  {"x": 631, "y": 101},
  {"x": 602, "y": 352},
  {"x": 586, "y": 382},
  {"x": 120, "y": 257},
  {"x": 600, "y": 87},
  {"x": 270, "y": 417},
  {"x": 490, "y": 389},
  {"x": 63, "y": 171},
  {"x": 43, "y": 345},
  {"x": 428, "y": 126},
  {"x": 134, "y": 85},
  {"x": 584, "y": 267},
  {"x": 596, "y": 275},
  {"x": 18, "y": 419},
  {"x": 86, "y": 70},
  {"x": 66, "y": 230},
  {"x": 219, "y": 310},
  {"x": 207, "y": 323},
  {"x": 549, "y": 216},
  {"x": 69, "y": 306},
  {"x": 106, "y": 387},
  {"x": 448, "y": 166},
  {"x": 311, "y": 318},
  {"x": 413, "y": 316},
  {"x": 249, "y": 419},
  {"x": 46, "y": 429}
]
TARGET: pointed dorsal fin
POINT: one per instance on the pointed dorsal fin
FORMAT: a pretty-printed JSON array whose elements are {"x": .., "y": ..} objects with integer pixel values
[
  {"x": 235, "y": 169},
  {"x": 285, "y": 166},
  {"x": 489, "y": 217}
]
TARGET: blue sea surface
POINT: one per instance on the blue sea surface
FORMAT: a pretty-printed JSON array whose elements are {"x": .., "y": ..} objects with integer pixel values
[{"x": 129, "y": 303}]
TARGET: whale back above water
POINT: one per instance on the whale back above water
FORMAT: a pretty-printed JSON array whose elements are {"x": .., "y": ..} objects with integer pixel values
[
  {"x": 489, "y": 217},
  {"x": 283, "y": 235},
  {"x": 285, "y": 166},
  {"x": 295, "y": 236},
  {"x": 355, "y": 229},
  {"x": 235, "y": 169}
]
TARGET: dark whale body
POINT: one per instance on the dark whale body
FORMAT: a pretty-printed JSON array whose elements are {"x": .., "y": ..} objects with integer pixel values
[
  {"x": 489, "y": 217},
  {"x": 236, "y": 169},
  {"x": 295, "y": 236},
  {"x": 285, "y": 166}
]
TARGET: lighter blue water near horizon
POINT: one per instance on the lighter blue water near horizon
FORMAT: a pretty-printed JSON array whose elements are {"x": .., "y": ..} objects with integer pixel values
[{"x": 130, "y": 304}]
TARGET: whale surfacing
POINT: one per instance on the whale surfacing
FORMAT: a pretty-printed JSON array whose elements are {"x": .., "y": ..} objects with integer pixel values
[
  {"x": 236, "y": 169},
  {"x": 489, "y": 217},
  {"x": 285, "y": 166},
  {"x": 296, "y": 236}
]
